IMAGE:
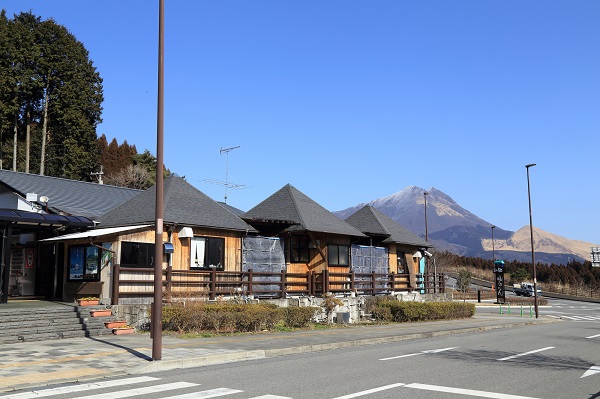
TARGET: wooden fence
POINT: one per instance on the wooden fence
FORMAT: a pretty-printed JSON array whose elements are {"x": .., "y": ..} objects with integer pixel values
[{"x": 211, "y": 284}]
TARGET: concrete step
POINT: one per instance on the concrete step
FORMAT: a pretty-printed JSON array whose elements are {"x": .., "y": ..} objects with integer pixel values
[{"x": 49, "y": 323}]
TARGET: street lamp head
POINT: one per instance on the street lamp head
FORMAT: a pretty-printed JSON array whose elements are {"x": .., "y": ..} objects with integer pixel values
[
  {"x": 530, "y": 165},
  {"x": 493, "y": 227}
]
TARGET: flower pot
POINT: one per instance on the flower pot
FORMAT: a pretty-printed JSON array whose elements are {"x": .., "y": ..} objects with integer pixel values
[
  {"x": 88, "y": 302},
  {"x": 101, "y": 313},
  {"x": 121, "y": 331},
  {"x": 115, "y": 324}
]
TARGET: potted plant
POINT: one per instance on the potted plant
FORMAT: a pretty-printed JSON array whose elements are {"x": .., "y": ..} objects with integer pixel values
[
  {"x": 88, "y": 301},
  {"x": 101, "y": 313},
  {"x": 123, "y": 330},
  {"x": 115, "y": 324}
]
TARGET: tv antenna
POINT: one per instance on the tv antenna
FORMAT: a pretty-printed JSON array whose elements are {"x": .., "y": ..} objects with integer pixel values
[
  {"x": 228, "y": 185},
  {"x": 98, "y": 175}
]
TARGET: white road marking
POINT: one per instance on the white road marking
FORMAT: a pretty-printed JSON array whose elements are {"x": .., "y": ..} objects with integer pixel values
[
  {"x": 369, "y": 391},
  {"x": 271, "y": 397},
  {"x": 420, "y": 353},
  {"x": 141, "y": 391},
  {"x": 470, "y": 392},
  {"x": 591, "y": 371},
  {"x": 594, "y": 336},
  {"x": 211, "y": 393},
  {"x": 526, "y": 353},
  {"x": 78, "y": 388}
]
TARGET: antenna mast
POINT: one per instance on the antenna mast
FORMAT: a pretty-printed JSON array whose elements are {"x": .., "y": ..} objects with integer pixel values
[{"x": 226, "y": 183}]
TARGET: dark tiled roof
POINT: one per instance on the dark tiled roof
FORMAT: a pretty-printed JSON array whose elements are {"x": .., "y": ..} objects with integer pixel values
[
  {"x": 238, "y": 212},
  {"x": 371, "y": 221},
  {"x": 73, "y": 197},
  {"x": 290, "y": 205},
  {"x": 183, "y": 204}
]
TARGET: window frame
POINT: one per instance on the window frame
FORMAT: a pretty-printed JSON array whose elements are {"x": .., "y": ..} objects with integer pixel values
[
  {"x": 211, "y": 244},
  {"x": 334, "y": 249},
  {"x": 299, "y": 249},
  {"x": 401, "y": 263},
  {"x": 149, "y": 254},
  {"x": 89, "y": 256}
]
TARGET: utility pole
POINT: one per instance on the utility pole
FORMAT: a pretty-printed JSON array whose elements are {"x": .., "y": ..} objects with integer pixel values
[{"x": 156, "y": 321}]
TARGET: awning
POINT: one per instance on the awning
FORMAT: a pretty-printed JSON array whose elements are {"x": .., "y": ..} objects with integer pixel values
[
  {"x": 95, "y": 233},
  {"x": 18, "y": 217}
]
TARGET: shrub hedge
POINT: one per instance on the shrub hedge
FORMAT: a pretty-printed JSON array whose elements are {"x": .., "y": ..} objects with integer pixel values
[
  {"x": 229, "y": 317},
  {"x": 421, "y": 311}
]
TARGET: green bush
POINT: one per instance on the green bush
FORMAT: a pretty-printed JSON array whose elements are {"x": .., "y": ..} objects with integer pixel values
[
  {"x": 233, "y": 317},
  {"x": 382, "y": 314},
  {"x": 299, "y": 317},
  {"x": 427, "y": 311}
]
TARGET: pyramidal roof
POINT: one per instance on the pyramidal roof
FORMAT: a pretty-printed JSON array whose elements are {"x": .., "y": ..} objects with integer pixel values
[
  {"x": 290, "y": 205},
  {"x": 371, "y": 221},
  {"x": 183, "y": 204}
]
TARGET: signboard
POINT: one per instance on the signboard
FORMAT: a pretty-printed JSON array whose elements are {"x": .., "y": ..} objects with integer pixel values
[
  {"x": 595, "y": 256},
  {"x": 499, "y": 281}
]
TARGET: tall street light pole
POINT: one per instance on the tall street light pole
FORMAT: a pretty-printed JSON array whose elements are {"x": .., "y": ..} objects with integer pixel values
[
  {"x": 425, "y": 194},
  {"x": 156, "y": 321},
  {"x": 426, "y": 279},
  {"x": 535, "y": 292},
  {"x": 493, "y": 254}
]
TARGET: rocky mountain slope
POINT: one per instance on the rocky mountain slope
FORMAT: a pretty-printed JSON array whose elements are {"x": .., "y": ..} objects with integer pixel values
[{"x": 453, "y": 228}]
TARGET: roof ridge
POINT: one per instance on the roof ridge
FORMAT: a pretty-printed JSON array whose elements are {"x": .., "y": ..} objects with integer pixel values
[
  {"x": 68, "y": 180},
  {"x": 293, "y": 198},
  {"x": 372, "y": 209}
]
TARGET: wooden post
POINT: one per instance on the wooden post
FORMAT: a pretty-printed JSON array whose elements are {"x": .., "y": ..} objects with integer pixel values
[
  {"x": 373, "y": 286},
  {"x": 213, "y": 283},
  {"x": 283, "y": 284},
  {"x": 352, "y": 278},
  {"x": 393, "y": 281},
  {"x": 310, "y": 283},
  {"x": 114, "y": 297},
  {"x": 250, "y": 289},
  {"x": 169, "y": 278},
  {"x": 325, "y": 282}
]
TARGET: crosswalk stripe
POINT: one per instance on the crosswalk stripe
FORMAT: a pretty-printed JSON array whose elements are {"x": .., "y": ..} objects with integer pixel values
[
  {"x": 78, "y": 388},
  {"x": 270, "y": 397},
  {"x": 370, "y": 391},
  {"x": 211, "y": 393},
  {"x": 141, "y": 391}
]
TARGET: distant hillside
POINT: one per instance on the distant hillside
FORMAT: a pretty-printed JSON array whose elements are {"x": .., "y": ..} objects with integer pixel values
[{"x": 451, "y": 227}]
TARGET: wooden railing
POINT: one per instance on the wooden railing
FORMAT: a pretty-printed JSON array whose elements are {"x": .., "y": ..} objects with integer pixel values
[{"x": 211, "y": 284}]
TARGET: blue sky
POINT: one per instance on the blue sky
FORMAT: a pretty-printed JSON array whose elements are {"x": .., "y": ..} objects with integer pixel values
[{"x": 350, "y": 101}]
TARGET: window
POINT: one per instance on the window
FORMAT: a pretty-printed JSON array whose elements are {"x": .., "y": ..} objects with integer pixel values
[
  {"x": 207, "y": 252},
  {"x": 299, "y": 249},
  {"x": 338, "y": 255},
  {"x": 402, "y": 265},
  {"x": 137, "y": 254},
  {"x": 83, "y": 263}
]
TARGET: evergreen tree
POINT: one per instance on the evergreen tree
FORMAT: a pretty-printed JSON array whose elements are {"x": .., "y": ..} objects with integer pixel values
[{"x": 50, "y": 99}]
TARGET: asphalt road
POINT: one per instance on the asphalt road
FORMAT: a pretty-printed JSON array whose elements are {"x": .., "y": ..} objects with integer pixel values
[{"x": 554, "y": 361}]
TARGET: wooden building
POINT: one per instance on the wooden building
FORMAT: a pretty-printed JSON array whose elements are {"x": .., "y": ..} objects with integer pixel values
[
  {"x": 406, "y": 250},
  {"x": 199, "y": 235}
]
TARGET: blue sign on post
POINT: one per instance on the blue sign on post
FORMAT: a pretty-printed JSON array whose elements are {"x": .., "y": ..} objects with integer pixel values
[{"x": 499, "y": 274}]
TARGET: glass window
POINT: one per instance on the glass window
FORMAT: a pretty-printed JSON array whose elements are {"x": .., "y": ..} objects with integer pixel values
[
  {"x": 299, "y": 249},
  {"x": 137, "y": 254},
  {"x": 338, "y": 255},
  {"x": 83, "y": 263},
  {"x": 207, "y": 252},
  {"x": 402, "y": 265}
]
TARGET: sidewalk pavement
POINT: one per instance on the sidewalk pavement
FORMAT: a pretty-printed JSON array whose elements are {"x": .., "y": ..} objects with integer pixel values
[{"x": 33, "y": 364}]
